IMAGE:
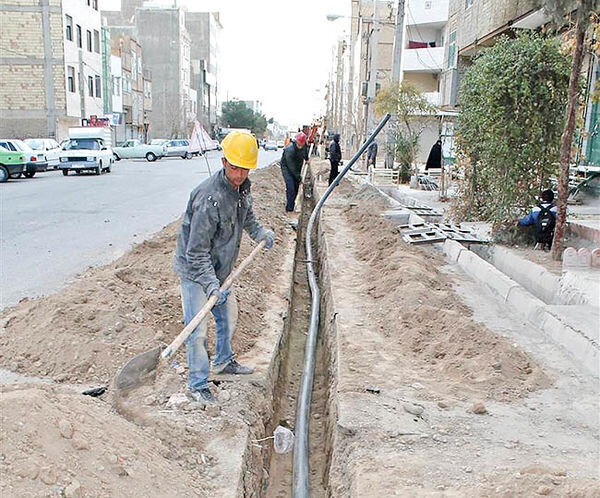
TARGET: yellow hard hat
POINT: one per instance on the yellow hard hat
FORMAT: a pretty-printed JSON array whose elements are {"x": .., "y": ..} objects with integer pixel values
[{"x": 239, "y": 148}]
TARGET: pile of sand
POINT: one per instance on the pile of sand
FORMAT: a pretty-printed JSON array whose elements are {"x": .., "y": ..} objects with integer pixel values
[{"x": 431, "y": 326}]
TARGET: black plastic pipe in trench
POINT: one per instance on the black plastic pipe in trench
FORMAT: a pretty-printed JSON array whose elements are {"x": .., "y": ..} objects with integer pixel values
[{"x": 300, "y": 467}]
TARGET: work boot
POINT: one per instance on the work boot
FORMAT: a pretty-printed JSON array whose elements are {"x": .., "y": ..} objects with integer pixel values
[
  {"x": 233, "y": 367},
  {"x": 203, "y": 395}
]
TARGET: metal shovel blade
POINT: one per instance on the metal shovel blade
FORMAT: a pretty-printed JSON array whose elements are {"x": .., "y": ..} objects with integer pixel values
[{"x": 138, "y": 370}]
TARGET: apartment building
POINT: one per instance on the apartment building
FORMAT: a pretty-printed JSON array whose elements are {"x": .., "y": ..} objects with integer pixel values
[
  {"x": 204, "y": 29},
  {"x": 51, "y": 73},
  {"x": 165, "y": 41},
  {"x": 371, "y": 41},
  {"x": 476, "y": 24}
]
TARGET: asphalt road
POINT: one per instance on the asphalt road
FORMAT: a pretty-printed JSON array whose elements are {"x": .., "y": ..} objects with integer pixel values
[{"x": 53, "y": 227}]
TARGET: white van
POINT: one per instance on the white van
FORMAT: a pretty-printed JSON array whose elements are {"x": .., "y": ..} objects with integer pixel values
[{"x": 87, "y": 149}]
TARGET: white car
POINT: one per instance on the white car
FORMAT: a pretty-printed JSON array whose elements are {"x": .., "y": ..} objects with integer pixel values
[
  {"x": 47, "y": 146},
  {"x": 34, "y": 161},
  {"x": 88, "y": 149},
  {"x": 133, "y": 149}
]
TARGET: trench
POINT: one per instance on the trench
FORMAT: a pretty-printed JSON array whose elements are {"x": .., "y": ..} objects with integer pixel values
[{"x": 277, "y": 474}]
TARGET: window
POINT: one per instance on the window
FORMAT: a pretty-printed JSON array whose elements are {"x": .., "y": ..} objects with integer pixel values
[
  {"x": 79, "y": 36},
  {"x": 96, "y": 42},
  {"x": 91, "y": 86},
  {"x": 71, "y": 79},
  {"x": 468, "y": 3},
  {"x": 89, "y": 40},
  {"x": 98, "y": 86},
  {"x": 451, "y": 62},
  {"x": 69, "y": 28}
]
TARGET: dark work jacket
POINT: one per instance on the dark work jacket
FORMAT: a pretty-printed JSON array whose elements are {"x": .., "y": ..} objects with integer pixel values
[
  {"x": 335, "y": 152},
  {"x": 372, "y": 150},
  {"x": 292, "y": 160},
  {"x": 209, "y": 238}
]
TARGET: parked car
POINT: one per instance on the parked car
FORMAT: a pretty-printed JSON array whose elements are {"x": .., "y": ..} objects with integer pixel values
[
  {"x": 280, "y": 144},
  {"x": 178, "y": 147},
  {"x": 34, "y": 161},
  {"x": 133, "y": 149},
  {"x": 49, "y": 147},
  {"x": 11, "y": 163},
  {"x": 270, "y": 146},
  {"x": 88, "y": 149}
]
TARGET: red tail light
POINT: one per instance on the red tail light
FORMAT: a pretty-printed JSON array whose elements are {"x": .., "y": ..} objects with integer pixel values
[{"x": 33, "y": 158}]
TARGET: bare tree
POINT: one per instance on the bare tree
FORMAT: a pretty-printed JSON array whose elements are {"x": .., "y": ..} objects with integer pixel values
[{"x": 584, "y": 10}]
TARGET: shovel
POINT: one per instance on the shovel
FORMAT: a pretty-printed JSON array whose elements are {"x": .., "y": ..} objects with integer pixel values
[{"x": 142, "y": 367}]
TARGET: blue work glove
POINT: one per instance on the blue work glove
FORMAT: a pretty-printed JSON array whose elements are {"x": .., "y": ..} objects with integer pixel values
[
  {"x": 269, "y": 237},
  {"x": 221, "y": 296}
]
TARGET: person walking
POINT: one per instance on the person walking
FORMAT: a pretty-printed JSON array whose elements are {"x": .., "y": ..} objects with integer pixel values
[
  {"x": 543, "y": 219},
  {"x": 372, "y": 154},
  {"x": 207, "y": 248},
  {"x": 291, "y": 163},
  {"x": 335, "y": 157}
]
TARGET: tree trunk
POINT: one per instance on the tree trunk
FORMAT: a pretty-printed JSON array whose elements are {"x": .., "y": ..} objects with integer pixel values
[{"x": 566, "y": 142}]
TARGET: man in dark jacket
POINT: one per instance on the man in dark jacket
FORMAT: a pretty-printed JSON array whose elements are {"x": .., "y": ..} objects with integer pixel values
[
  {"x": 292, "y": 160},
  {"x": 207, "y": 248},
  {"x": 335, "y": 156}
]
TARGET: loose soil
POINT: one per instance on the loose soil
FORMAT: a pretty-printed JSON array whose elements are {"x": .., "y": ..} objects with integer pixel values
[
  {"x": 423, "y": 320},
  {"x": 429, "y": 401},
  {"x": 79, "y": 338}
]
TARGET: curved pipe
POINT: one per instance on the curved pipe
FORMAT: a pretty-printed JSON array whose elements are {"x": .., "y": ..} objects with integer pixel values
[{"x": 300, "y": 468}]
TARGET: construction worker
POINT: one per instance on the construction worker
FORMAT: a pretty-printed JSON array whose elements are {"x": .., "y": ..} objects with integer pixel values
[
  {"x": 207, "y": 249},
  {"x": 292, "y": 160}
]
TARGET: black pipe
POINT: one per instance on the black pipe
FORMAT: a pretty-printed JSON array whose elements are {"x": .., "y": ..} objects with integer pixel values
[{"x": 301, "y": 471}]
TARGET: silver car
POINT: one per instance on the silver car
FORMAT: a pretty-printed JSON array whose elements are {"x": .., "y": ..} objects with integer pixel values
[{"x": 178, "y": 147}]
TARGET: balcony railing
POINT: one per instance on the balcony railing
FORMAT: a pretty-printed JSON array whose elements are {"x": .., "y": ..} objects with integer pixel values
[{"x": 423, "y": 60}]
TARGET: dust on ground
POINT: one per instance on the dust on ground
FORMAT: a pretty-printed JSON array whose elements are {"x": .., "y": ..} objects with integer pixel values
[
  {"x": 430, "y": 401},
  {"x": 82, "y": 335},
  {"x": 430, "y": 326}
]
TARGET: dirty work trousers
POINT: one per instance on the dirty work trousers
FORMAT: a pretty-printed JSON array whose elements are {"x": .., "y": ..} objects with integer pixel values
[
  {"x": 291, "y": 190},
  {"x": 334, "y": 171},
  {"x": 192, "y": 300}
]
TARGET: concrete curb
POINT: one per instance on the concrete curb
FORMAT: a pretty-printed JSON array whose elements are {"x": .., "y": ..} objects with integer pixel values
[{"x": 579, "y": 345}]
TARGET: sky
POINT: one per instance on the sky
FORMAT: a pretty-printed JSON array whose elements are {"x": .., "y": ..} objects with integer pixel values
[{"x": 275, "y": 51}]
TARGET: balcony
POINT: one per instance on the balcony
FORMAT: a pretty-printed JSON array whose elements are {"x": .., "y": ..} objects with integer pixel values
[
  {"x": 433, "y": 98},
  {"x": 428, "y": 13},
  {"x": 423, "y": 60}
]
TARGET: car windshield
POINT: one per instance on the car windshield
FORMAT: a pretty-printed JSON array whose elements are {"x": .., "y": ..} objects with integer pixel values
[
  {"x": 83, "y": 143},
  {"x": 22, "y": 146},
  {"x": 35, "y": 144}
]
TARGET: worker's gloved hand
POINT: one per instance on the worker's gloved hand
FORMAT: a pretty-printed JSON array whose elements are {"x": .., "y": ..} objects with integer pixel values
[
  {"x": 221, "y": 296},
  {"x": 269, "y": 238}
]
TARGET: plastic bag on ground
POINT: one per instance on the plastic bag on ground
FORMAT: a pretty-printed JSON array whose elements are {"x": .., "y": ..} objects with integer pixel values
[{"x": 284, "y": 440}]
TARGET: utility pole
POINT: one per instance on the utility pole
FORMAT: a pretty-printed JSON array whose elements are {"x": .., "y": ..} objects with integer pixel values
[
  {"x": 372, "y": 83},
  {"x": 396, "y": 61}
]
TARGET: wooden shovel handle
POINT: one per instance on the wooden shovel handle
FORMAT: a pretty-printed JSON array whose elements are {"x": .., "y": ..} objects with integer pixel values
[{"x": 189, "y": 328}]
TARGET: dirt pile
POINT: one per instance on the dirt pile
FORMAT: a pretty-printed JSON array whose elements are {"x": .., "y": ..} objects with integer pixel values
[
  {"x": 56, "y": 443},
  {"x": 88, "y": 330},
  {"x": 430, "y": 325}
]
